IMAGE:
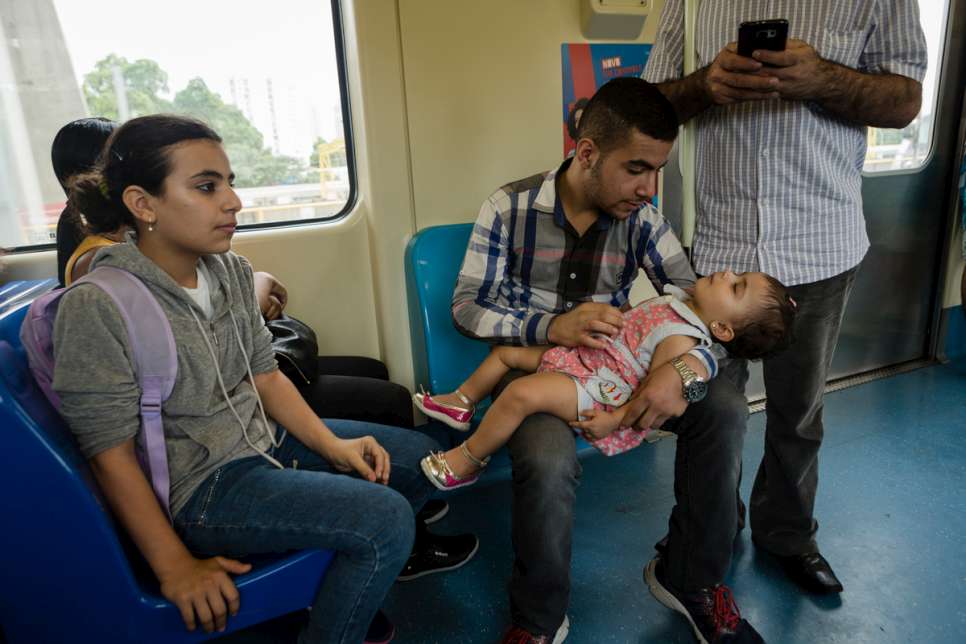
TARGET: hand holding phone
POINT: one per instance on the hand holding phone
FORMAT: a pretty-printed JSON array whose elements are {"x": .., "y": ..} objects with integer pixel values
[{"x": 762, "y": 34}]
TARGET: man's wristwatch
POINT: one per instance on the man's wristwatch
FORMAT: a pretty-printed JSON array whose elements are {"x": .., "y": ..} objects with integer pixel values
[{"x": 694, "y": 387}]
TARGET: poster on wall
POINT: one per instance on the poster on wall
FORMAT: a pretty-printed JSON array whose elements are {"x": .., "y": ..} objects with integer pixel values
[{"x": 586, "y": 67}]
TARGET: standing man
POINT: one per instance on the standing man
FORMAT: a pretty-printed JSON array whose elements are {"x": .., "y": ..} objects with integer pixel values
[
  {"x": 550, "y": 261},
  {"x": 780, "y": 145}
]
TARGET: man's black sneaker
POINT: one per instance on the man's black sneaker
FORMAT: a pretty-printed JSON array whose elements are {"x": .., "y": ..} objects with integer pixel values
[
  {"x": 438, "y": 553},
  {"x": 433, "y": 511},
  {"x": 712, "y": 612},
  {"x": 381, "y": 630}
]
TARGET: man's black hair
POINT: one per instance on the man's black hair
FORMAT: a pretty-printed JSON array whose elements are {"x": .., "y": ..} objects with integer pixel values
[{"x": 624, "y": 104}]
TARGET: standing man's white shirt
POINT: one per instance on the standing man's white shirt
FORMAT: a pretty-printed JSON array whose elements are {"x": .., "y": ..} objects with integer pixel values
[{"x": 795, "y": 214}]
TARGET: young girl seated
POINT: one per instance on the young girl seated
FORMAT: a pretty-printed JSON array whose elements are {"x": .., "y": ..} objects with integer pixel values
[
  {"x": 749, "y": 314},
  {"x": 239, "y": 485}
]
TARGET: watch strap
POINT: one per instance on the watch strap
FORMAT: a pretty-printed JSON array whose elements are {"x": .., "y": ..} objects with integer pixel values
[{"x": 688, "y": 375}]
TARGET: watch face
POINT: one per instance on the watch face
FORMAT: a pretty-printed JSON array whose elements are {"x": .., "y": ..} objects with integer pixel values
[{"x": 695, "y": 391}]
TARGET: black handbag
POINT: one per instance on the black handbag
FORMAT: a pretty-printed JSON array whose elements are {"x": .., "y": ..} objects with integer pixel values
[{"x": 296, "y": 349}]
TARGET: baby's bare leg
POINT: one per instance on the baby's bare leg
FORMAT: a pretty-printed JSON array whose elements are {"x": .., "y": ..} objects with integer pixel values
[
  {"x": 496, "y": 365},
  {"x": 552, "y": 393}
]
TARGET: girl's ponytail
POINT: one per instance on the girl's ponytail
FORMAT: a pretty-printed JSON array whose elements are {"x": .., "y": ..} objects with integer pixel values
[{"x": 104, "y": 211}]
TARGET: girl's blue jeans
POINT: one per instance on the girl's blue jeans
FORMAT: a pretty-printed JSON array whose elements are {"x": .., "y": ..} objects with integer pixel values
[{"x": 250, "y": 507}]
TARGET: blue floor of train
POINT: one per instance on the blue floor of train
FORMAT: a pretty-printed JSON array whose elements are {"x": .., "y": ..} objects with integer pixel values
[{"x": 892, "y": 519}]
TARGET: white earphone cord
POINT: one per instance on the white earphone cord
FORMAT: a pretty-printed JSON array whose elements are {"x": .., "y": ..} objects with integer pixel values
[{"x": 251, "y": 379}]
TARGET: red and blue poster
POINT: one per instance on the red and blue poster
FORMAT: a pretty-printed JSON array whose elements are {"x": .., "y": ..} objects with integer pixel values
[{"x": 585, "y": 68}]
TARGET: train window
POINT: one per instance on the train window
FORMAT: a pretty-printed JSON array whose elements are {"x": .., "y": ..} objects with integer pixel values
[
  {"x": 908, "y": 148},
  {"x": 270, "y": 79}
]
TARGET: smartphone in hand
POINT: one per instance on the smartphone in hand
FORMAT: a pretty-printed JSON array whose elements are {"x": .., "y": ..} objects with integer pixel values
[{"x": 762, "y": 34}]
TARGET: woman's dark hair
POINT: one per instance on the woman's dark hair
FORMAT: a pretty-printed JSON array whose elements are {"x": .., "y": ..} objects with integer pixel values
[
  {"x": 572, "y": 120},
  {"x": 77, "y": 146},
  {"x": 136, "y": 155},
  {"x": 769, "y": 332},
  {"x": 624, "y": 104}
]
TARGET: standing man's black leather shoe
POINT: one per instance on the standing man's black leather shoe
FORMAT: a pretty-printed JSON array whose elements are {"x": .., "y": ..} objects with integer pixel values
[{"x": 812, "y": 572}]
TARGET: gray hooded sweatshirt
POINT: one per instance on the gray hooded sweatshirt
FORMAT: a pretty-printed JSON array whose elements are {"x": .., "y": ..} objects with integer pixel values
[{"x": 99, "y": 391}]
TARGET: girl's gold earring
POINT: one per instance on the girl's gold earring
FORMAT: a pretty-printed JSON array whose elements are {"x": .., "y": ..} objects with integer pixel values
[{"x": 151, "y": 227}]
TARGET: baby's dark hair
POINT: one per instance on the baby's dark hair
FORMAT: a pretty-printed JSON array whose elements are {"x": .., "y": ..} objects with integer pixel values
[
  {"x": 769, "y": 330},
  {"x": 136, "y": 155},
  {"x": 77, "y": 146}
]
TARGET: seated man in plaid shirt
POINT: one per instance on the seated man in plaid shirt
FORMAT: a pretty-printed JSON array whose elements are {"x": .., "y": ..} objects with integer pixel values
[{"x": 551, "y": 260}]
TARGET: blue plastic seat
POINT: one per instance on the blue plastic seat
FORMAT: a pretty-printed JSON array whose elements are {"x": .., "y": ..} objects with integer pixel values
[
  {"x": 67, "y": 573},
  {"x": 442, "y": 356}
]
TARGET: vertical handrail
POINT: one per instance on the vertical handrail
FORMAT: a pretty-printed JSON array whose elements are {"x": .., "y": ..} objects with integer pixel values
[{"x": 686, "y": 151}]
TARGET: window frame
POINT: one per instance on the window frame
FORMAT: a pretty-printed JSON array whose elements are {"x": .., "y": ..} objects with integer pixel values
[
  {"x": 931, "y": 150},
  {"x": 351, "y": 200},
  {"x": 350, "y": 157}
]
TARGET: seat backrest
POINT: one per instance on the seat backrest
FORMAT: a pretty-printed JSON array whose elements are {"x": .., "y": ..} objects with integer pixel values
[
  {"x": 56, "y": 525},
  {"x": 14, "y": 293},
  {"x": 442, "y": 357}
]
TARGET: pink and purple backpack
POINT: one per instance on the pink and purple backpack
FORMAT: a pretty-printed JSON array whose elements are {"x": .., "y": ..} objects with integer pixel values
[{"x": 155, "y": 359}]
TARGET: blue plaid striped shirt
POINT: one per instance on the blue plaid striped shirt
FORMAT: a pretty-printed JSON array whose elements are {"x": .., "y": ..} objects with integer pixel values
[{"x": 525, "y": 264}]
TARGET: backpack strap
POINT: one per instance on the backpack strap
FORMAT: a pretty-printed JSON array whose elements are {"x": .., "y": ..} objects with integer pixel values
[
  {"x": 36, "y": 337},
  {"x": 155, "y": 362}
]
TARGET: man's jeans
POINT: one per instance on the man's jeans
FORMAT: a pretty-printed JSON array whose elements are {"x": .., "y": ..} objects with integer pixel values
[
  {"x": 703, "y": 521},
  {"x": 250, "y": 507},
  {"x": 783, "y": 497}
]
